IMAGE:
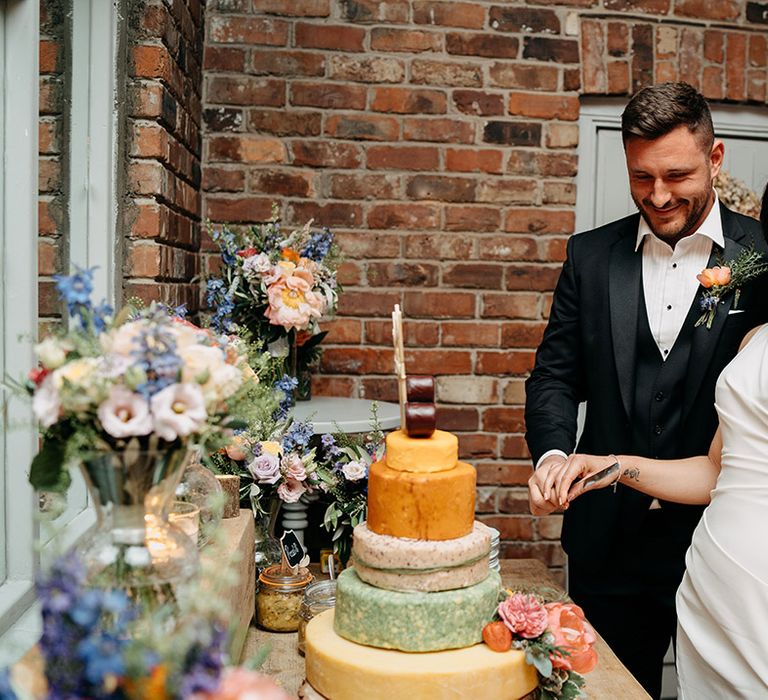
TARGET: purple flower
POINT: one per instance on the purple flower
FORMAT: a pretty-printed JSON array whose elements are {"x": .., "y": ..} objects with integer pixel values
[{"x": 265, "y": 468}]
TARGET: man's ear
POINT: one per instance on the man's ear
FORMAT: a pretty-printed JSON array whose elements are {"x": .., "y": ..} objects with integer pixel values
[{"x": 716, "y": 156}]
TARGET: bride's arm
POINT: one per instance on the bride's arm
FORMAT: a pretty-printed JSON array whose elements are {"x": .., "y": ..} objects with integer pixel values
[{"x": 687, "y": 481}]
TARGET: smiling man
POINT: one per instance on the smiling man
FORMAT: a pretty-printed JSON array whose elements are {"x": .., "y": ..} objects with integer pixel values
[{"x": 622, "y": 336}]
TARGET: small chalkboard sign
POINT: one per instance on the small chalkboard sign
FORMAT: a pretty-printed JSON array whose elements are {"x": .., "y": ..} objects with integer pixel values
[{"x": 294, "y": 552}]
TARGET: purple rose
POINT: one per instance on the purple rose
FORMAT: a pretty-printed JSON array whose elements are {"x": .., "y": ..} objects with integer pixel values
[{"x": 265, "y": 468}]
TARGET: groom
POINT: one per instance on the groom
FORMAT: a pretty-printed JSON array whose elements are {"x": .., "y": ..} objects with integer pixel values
[{"x": 622, "y": 336}]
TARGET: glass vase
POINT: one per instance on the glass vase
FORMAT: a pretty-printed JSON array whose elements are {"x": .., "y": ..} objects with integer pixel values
[
  {"x": 266, "y": 547},
  {"x": 200, "y": 487},
  {"x": 133, "y": 546}
]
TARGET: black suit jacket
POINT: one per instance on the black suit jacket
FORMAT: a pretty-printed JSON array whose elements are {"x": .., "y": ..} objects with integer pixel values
[{"x": 588, "y": 354}]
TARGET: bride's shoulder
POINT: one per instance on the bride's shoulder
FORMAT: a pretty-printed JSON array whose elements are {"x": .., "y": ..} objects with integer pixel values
[{"x": 751, "y": 335}]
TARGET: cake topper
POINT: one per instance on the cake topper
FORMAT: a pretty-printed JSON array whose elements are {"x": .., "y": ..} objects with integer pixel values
[{"x": 416, "y": 394}]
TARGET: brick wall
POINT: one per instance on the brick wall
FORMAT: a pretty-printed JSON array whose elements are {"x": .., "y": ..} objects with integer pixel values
[
  {"x": 53, "y": 164},
  {"x": 163, "y": 147},
  {"x": 438, "y": 140}
]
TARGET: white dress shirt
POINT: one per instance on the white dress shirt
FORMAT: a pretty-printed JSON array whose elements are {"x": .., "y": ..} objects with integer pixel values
[{"x": 669, "y": 280}]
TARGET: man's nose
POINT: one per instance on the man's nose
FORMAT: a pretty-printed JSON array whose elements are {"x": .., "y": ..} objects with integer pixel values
[{"x": 660, "y": 195}]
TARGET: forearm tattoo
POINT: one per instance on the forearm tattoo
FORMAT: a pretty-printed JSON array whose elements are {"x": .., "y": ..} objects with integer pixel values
[{"x": 632, "y": 473}]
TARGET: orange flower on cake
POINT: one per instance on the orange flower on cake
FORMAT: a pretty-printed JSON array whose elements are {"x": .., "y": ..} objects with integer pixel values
[{"x": 574, "y": 635}]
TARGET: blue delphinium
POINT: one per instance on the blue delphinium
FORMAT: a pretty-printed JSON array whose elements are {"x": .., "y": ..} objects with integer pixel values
[
  {"x": 6, "y": 691},
  {"x": 319, "y": 245},
  {"x": 286, "y": 384},
  {"x": 227, "y": 243},
  {"x": 330, "y": 446},
  {"x": 220, "y": 300},
  {"x": 298, "y": 437},
  {"x": 75, "y": 291},
  {"x": 155, "y": 354}
]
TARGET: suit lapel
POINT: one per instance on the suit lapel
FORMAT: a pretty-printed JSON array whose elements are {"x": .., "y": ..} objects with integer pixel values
[
  {"x": 705, "y": 339},
  {"x": 624, "y": 289}
]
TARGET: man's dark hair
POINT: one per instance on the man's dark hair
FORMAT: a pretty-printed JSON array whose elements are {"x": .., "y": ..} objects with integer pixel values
[{"x": 656, "y": 110}]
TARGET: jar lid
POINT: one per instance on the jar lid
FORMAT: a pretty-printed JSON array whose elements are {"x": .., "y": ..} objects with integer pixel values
[
  {"x": 275, "y": 576},
  {"x": 320, "y": 591}
]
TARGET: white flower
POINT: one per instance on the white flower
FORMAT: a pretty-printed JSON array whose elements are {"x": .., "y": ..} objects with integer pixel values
[
  {"x": 291, "y": 490},
  {"x": 225, "y": 381},
  {"x": 125, "y": 414},
  {"x": 78, "y": 372},
  {"x": 123, "y": 340},
  {"x": 51, "y": 352},
  {"x": 178, "y": 411},
  {"x": 206, "y": 365},
  {"x": 46, "y": 402},
  {"x": 256, "y": 265},
  {"x": 354, "y": 471}
]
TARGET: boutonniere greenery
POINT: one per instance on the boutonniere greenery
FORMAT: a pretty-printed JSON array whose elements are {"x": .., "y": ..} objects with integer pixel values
[{"x": 726, "y": 278}]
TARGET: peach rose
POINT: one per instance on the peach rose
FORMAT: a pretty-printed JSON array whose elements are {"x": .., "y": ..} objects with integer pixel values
[
  {"x": 292, "y": 303},
  {"x": 574, "y": 634},
  {"x": 714, "y": 277}
]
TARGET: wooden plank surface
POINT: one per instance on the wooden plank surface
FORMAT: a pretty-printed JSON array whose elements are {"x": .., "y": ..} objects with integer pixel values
[{"x": 609, "y": 681}]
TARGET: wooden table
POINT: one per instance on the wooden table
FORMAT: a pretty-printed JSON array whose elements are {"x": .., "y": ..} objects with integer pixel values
[{"x": 609, "y": 681}]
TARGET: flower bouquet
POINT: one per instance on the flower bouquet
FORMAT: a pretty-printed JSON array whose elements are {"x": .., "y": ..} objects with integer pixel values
[
  {"x": 556, "y": 639},
  {"x": 276, "y": 286},
  {"x": 127, "y": 397}
]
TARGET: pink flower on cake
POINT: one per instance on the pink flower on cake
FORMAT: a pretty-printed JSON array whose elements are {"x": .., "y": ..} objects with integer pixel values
[
  {"x": 178, "y": 410},
  {"x": 574, "y": 634},
  {"x": 291, "y": 490},
  {"x": 125, "y": 414},
  {"x": 524, "y": 615}
]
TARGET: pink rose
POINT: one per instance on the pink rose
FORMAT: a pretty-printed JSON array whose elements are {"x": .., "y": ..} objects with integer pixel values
[
  {"x": 294, "y": 467},
  {"x": 291, "y": 490},
  {"x": 241, "y": 684},
  {"x": 574, "y": 634},
  {"x": 714, "y": 277},
  {"x": 524, "y": 615}
]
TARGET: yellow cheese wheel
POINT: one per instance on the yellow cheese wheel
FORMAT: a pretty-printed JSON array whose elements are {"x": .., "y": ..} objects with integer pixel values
[
  {"x": 342, "y": 670},
  {"x": 436, "y": 453},
  {"x": 436, "y": 506}
]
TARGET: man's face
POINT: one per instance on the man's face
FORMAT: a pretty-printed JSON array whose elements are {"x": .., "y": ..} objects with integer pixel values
[{"x": 670, "y": 179}]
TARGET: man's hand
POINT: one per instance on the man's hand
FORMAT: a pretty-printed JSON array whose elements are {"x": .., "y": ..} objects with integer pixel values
[{"x": 542, "y": 497}]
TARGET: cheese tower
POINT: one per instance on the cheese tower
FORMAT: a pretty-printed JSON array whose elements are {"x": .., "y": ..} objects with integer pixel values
[{"x": 420, "y": 582}]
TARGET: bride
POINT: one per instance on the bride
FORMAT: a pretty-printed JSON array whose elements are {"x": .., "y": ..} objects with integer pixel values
[{"x": 722, "y": 603}]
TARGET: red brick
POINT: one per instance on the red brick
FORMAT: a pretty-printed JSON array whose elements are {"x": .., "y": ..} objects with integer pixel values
[
  {"x": 372, "y": 244},
  {"x": 49, "y": 175},
  {"x": 642, "y": 56},
  {"x": 516, "y": 502},
  {"x": 408, "y": 101},
  {"x": 331, "y": 214},
  {"x": 532, "y": 277},
  {"x": 703, "y": 9},
  {"x": 364, "y": 127},
  {"x": 414, "y": 217},
  {"x": 246, "y": 148},
  {"x": 149, "y": 221},
  {"x": 411, "y": 41},
  {"x": 665, "y": 72},
  {"x": 403, "y": 157},
  {"x": 326, "y": 154},
  {"x": 666, "y": 42},
  {"x": 712, "y": 83},
  {"x": 618, "y": 39},
  {"x": 714, "y": 50},
  {"x": 690, "y": 56},
  {"x": 593, "y": 51},
  {"x": 498, "y": 419},
  {"x": 223, "y": 119},
  {"x": 366, "y": 70},
  {"x": 756, "y": 87},
  {"x": 653, "y": 7},
  {"x": 343, "y": 331},
  {"x": 48, "y": 303},
  {"x": 368, "y": 303},
  {"x": 239, "y": 209},
  {"x": 349, "y": 273},
  {"x": 415, "y": 333},
  {"x": 376, "y": 10},
  {"x": 323, "y": 385},
  {"x": 473, "y": 161},
  {"x": 473, "y": 275},
  {"x": 441, "y": 188},
  {"x": 513, "y": 75},
  {"x": 507, "y": 191},
  {"x": 758, "y": 52},
  {"x": 503, "y": 474},
  {"x": 372, "y": 187},
  {"x": 219, "y": 58},
  {"x": 618, "y": 77},
  {"x": 507, "y": 248},
  {"x": 295, "y": 8},
  {"x": 223, "y": 179},
  {"x": 242, "y": 90},
  {"x": 438, "y": 130},
  {"x": 522, "y": 335},
  {"x": 452, "y": 74},
  {"x": 378, "y": 389},
  {"x": 557, "y": 164},
  {"x": 481, "y": 44},
  {"x": 510, "y": 306},
  {"x": 286, "y": 183},
  {"x": 561, "y": 136},
  {"x": 328, "y": 95},
  {"x": 530, "y": 104},
  {"x": 472, "y": 218},
  {"x": 49, "y": 56},
  {"x": 47, "y": 257},
  {"x": 470, "y": 334},
  {"x": 48, "y": 137},
  {"x": 505, "y": 362},
  {"x": 247, "y": 30},
  {"x": 287, "y": 63},
  {"x": 334, "y": 37},
  {"x": 476, "y": 446},
  {"x": 572, "y": 79},
  {"x": 144, "y": 260},
  {"x": 478, "y": 103},
  {"x": 449, "y": 14},
  {"x": 559, "y": 51},
  {"x": 438, "y": 246},
  {"x": 735, "y": 65},
  {"x": 439, "y": 305},
  {"x": 402, "y": 274},
  {"x": 438, "y": 362},
  {"x": 539, "y": 221},
  {"x": 350, "y": 360},
  {"x": 524, "y": 19},
  {"x": 550, "y": 553},
  {"x": 520, "y": 162},
  {"x": 457, "y": 418},
  {"x": 282, "y": 123}
]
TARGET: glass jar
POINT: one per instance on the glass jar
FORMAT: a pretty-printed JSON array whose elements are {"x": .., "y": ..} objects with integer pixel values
[
  {"x": 319, "y": 597},
  {"x": 279, "y": 598}
]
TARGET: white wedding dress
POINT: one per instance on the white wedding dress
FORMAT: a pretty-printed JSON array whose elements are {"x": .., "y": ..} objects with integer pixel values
[{"x": 722, "y": 603}]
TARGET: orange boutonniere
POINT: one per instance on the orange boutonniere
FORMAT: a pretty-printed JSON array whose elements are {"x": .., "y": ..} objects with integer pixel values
[{"x": 726, "y": 278}]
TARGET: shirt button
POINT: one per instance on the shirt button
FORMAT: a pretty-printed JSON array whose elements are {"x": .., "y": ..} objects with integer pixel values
[
  {"x": 674, "y": 266},
  {"x": 659, "y": 396},
  {"x": 669, "y": 307},
  {"x": 666, "y": 352},
  {"x": 658, "y": 430}
]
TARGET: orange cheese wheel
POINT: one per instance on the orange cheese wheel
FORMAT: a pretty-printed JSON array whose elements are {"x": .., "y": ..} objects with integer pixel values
[{"x": 432, "y": 506}]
